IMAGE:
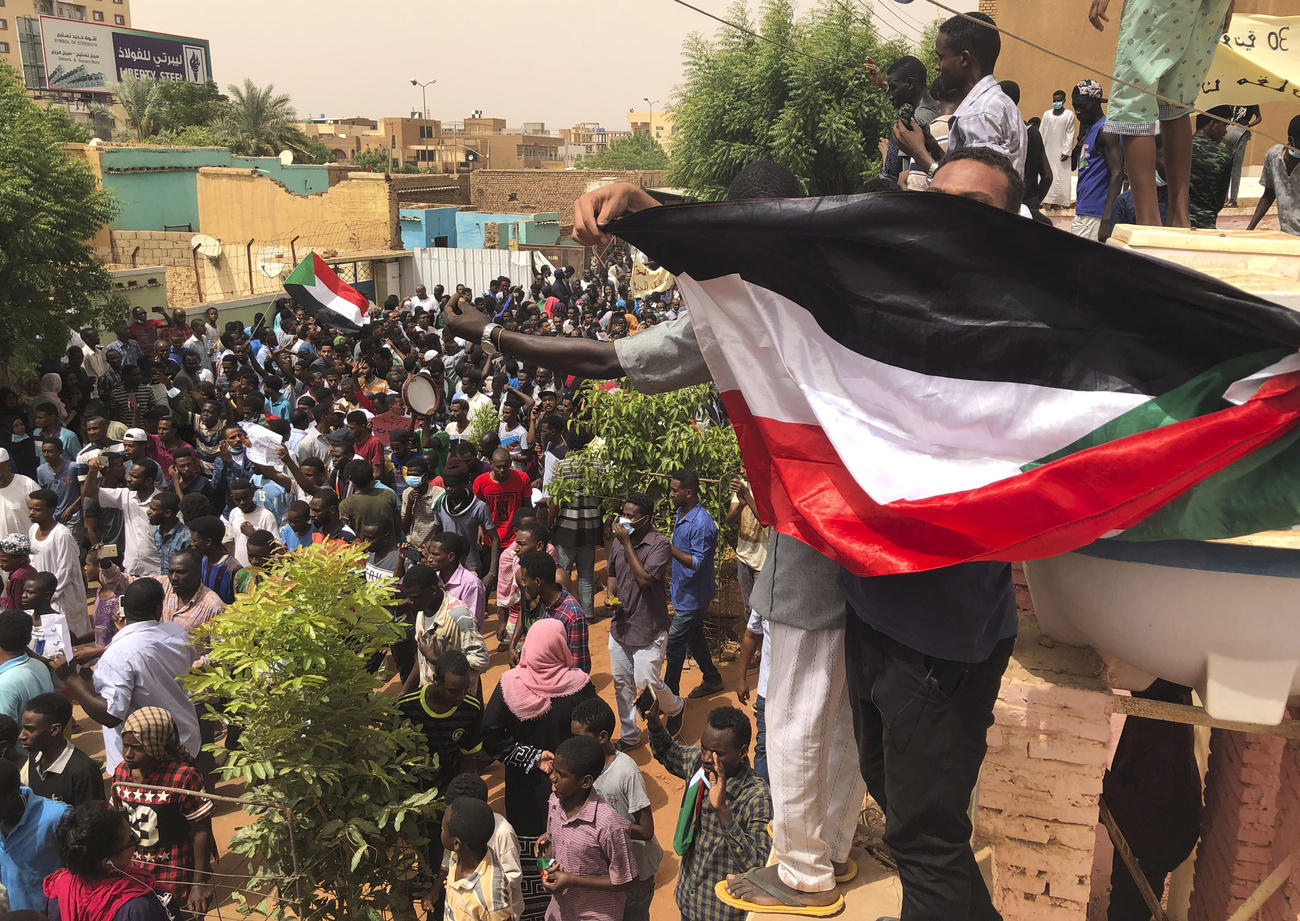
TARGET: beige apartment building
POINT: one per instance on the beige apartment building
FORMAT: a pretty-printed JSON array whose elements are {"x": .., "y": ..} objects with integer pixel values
[
  {"x": 14, "y": 35},
  {"x": 475, "y": 143},
  {"x": 658, "y": 124}
]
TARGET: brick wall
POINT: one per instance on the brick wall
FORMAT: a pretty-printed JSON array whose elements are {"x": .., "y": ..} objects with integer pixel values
[
  {"x": 156, "y": 247},
  {"x": 1038, "y": 796},
  {"x": 531, "y": 191},
  {"x": 1252, "y": 780},
  {"x": 1286, "y": 904}
]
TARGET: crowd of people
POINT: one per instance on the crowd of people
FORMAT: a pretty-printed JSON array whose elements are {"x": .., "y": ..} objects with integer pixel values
[{"x": 146, "y": 484}]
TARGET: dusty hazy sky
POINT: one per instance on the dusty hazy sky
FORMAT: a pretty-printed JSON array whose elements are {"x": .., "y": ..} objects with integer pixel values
[{"x": 560, "y": 62}]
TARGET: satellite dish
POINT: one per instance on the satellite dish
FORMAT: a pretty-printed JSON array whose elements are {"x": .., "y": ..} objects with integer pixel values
[
  {"x": 96, "y": 142},
  {"x": 286, "y": 158},
  {"x": 208, "y": 246},
  {"x": 270, "y": 262}
]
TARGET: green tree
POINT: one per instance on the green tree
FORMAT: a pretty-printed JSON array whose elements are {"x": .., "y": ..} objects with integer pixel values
[
  {"x": 812, "y": 109},
  {"x": 373, "y": 159},
  {"x": 136, "y": 96},
  {"x": 338, "y": 773},
  {"x": 259, "y": 122},
  {"x": 50, "y": 207},
  {"x": 925, "y": 49},
  {"x": 192, "y": 136},
  {"x": 640, "y": 151},
  {"x": 177, "y": 104},
  {"x": 642, "y": 439}
]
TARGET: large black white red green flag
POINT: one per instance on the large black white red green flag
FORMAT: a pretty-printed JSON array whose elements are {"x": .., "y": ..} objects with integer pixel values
[
  {"x": 317, "y": 288},
  {"x": 918, "y": 380}
]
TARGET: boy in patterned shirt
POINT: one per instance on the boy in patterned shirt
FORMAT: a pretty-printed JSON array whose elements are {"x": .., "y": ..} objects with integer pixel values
[
  {"x": 593, "y": 865},
  {"x": 477, "y": 888},
  {"x": 175, "y": 829}
]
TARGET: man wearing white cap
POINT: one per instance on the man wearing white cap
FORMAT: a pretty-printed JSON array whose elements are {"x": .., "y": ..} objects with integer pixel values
[
  {"x": 14, "y": 489},
  {"x": 136, "y": 447}
]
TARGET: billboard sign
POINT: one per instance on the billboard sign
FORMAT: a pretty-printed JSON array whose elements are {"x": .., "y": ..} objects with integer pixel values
[{"x": 88, "y": 57}]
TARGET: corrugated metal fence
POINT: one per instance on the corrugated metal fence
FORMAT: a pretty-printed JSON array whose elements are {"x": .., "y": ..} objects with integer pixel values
[{"x": 472, "y": 267}]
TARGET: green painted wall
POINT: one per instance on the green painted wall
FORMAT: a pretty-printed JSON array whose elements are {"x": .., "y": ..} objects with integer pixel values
[
  {"x": 534, "y": 233},
  {"x": 300, "y": 178},
  {"x": 158, "y": 187}
]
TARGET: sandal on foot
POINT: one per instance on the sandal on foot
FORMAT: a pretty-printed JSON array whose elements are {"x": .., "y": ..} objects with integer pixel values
[{"x": 788, "y": 905}]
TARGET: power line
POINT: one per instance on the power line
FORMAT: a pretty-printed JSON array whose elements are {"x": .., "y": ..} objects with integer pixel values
[{"x": 753, "y": 34}]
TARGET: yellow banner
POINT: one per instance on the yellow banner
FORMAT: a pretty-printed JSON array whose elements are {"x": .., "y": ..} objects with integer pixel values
[
  {"x": 644, "y": 281},
  {"x": 1257, "y": 61}
]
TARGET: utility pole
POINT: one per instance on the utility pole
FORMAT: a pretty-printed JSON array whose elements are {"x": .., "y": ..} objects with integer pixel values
[{"x": 425, "y": 129}]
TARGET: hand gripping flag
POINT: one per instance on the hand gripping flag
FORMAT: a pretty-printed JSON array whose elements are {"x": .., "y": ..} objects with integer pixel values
[
  {"x": 918, "y": 380},
  {"x": 317, "y": 288}
]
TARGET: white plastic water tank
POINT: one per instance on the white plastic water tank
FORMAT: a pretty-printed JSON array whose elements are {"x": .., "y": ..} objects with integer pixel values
[{"x": 1220, "y": 616}]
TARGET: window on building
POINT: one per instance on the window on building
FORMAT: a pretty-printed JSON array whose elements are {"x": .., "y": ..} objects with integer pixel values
[
  {"x": 118, "y": 19},
  {"x": 4, "y": 47},
  {"x": 426, "y": 131},
  {"x": 99, "y": 15},
  {"x": 4, "y": 25}
]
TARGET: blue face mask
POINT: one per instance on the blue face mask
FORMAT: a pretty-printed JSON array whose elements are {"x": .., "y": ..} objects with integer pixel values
[
  {"x": 1293, "y": 153},
  {"x": 1058, "y": 106},
  {"x": 414, "y": 481}
]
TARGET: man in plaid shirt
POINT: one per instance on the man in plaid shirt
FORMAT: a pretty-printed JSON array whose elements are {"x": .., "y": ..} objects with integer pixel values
[
  {"x": 731, "y": 832},
  {"x": 544, "y": 596}
]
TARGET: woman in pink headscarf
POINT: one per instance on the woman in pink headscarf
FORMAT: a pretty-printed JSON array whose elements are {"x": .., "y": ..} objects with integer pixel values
[{"x": 528, "y": 715}]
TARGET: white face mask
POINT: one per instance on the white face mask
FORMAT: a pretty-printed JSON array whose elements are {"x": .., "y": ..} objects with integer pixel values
[{"x": 628, "y": 524}]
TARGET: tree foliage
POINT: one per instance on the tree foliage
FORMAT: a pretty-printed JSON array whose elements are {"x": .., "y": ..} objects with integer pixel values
[
  {"x": 373, "y": 159},
  {"x": 641, "y": 440},
  {"x": 319, "y": 742},
  {"x": 178, "y": 104},
  {"x": 640, "y": 151},
  {"x": 260, "y": 122},
  {"x": 811, "y": 109},
  {"x": 50, "y": 206}
]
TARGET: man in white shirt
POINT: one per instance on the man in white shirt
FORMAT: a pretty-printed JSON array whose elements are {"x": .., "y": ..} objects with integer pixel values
[
  {"x": 55, "y": 550},
  {"x": 141, "y": 557},
  {"x": 420, "y": 302},
  {"x": 245, "y": 518},
  {"x": 986, "y": 117},
  {"x": 140, "y": 668},
  {"x": 14, "y": 490}
]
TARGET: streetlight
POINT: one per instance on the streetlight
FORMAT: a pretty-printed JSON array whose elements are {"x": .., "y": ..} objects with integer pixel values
[
  {"x": 424, "y": 110},
  {"x": 650, "y": 127}
]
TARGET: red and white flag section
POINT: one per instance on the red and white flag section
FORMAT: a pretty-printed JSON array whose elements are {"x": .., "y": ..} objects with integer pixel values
[
  {"x": 317, "y": 288},
  {"x": 917, "y": 380}
]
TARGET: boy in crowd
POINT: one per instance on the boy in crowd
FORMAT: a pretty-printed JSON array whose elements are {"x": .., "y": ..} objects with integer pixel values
[
  {"x": 593, "y": 865},
  {"x": 622, "y": 785},
  {"x": 55, "y": 768},
  {"x": 477, "y": 887},
  {"x": 503, "y": 846},
  {"x": 297, "y": 531}
]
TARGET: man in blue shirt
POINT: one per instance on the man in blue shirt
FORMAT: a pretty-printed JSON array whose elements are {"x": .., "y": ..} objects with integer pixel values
[
  {"x": 695, "y": 543},
  {"x": 28, "y": 852}
]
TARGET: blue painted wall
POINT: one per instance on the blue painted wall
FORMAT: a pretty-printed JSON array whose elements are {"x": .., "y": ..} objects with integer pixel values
[
  {"x": 469, "y": 227},
  {"x": 421, "y": 226}
]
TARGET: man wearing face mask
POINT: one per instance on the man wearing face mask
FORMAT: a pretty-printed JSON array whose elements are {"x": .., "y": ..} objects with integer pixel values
[
  {"x": 638, "y": 636},
  {"x": 1280, "y": 178},
  {"x": 1059, "y": 128}
]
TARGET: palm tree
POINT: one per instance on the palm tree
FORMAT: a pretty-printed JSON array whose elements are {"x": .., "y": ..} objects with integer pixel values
[
  {"x": 135, "y": 94},
  {"x": 259, "y": 121}
]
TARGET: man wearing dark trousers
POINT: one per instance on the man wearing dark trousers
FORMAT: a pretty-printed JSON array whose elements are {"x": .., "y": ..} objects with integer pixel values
[
  {"x": 695, "y": 542},
  {"x": 925, "y": 656}
]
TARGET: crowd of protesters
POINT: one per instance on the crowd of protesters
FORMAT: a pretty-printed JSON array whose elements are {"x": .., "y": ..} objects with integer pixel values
[{"x": 138, "y": 500}]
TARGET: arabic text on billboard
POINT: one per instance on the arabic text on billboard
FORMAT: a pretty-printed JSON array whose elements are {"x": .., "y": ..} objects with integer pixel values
[{"x": 87, "y": 57}]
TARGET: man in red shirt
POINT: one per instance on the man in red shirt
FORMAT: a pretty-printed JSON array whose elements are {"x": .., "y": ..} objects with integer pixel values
[
  {"x": 140, "y": 322},
  {"x": 503, "y": 489},
  {"x": 364, "y": 442},
  {"x": 388, "y": 415}
]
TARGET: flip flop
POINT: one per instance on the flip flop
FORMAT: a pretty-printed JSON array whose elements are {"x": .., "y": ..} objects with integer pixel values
[
  {"x": 787, "y": 906},
  {"x": 850, "y": 871}
]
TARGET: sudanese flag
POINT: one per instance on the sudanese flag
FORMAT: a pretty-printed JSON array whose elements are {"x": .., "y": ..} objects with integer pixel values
[
  {"x": 317, "y": 288},
  {"x": 917, "y": 380}
]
